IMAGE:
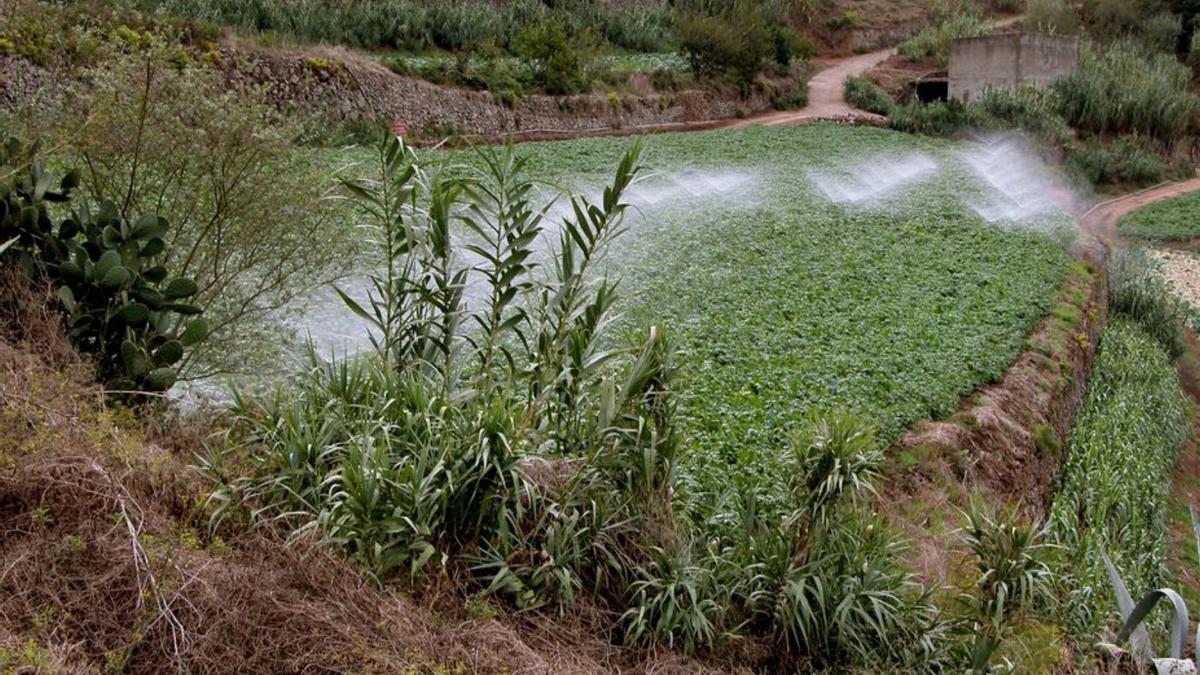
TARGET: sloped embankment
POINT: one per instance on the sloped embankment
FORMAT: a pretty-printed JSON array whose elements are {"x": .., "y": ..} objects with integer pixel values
[
  {"x": 1007, "y": 440},
  {"x": 342, "y": 86},
  {"x": 108, "y": 566},
  {"x": 338, "y": 86}
]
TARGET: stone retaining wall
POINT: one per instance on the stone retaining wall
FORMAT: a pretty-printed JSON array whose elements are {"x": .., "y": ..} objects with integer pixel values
[{"x": 341, "y": 87}]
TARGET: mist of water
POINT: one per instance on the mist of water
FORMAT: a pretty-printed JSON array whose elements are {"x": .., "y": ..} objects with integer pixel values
[
  {"x": 333, "y": 328},
  {"x": 1017, "y": 188},
  {"x": 872, "y": 179}
]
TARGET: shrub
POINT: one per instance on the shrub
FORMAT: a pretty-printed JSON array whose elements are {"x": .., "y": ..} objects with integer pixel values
[
  {"x": 664, "y": 79},
  {"x": 933, "y": 42},
  {"x": 1161, "y": 32},
  {"x": 850, "y": 18},
  {"x": 865, "y": 94},
  {"x": 1007, "y": 6},
  {"x": 794, "y": 100},
  {"x": 788, "y": 45},
  {"x": 1028, "y": 107},
  {"x": 735, "y": 45},
  {"x": 1138, "y": 291},
  {"x": 1052, "y": 16},
  {"x": 1013, "y": 578},
  {"x": 1125, "y": 161},
  {"x": 1109, "y": 20},
  {"x": 555, "y": 60},
  {"x": 1122, "y": 89},
  {"x": 939, "y": 118}
]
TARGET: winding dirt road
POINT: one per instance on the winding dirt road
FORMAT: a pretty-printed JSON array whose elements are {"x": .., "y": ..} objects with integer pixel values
[
  {"x": 825, "y": 100},
  {"x": 1101, "y": 219}
]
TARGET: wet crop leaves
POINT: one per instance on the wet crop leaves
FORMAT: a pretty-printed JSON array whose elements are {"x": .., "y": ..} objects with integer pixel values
[{"x": 784, "y": 302}]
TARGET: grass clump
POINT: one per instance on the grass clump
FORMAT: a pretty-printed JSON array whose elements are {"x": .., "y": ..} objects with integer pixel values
[
  {"x": 932, "y": 43},
  {"x": 1138, "y": 291},
  {"x": 1030, "y": 108},
  {"x": 1122, "y": 88},
  {"x": 866, "y": 95},
  {"x": 1128, "y": 160},
  {"x": 1177, "y": 218},
  {"x": 939, "y": 118},
  {"x": 1117, "y": 481}
]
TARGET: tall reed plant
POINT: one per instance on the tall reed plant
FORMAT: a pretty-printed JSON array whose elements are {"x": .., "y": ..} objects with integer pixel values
[{"x": 1124, "y": 88}]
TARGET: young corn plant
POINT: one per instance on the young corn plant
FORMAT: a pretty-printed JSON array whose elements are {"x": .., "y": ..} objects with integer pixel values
[{"x": 1116, "y": 484}]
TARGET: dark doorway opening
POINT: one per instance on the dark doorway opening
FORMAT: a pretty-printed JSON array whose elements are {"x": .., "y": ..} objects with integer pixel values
[{"x": 928, "y": 91}]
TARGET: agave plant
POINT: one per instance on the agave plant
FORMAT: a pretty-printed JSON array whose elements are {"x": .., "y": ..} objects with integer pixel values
[{"x": 1133, "y": 629}]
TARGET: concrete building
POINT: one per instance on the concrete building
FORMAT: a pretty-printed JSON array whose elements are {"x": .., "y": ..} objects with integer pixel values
[{"x": 1008, "y": 60}]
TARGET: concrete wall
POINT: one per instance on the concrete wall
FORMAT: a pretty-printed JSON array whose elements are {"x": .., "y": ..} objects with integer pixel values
[{"x": 1008, "y": 60}]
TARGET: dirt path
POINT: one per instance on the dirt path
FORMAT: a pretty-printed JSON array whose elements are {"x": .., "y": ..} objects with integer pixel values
[
  {"x": 825, "y": 100},
  {"x": 1101, "y": 219}
]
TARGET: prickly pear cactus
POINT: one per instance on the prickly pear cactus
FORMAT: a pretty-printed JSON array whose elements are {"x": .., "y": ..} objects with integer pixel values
[{"x": 121, "y": 302}]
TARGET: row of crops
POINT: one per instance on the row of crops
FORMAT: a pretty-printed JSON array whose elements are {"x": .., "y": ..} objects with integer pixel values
[{"x": 1117, "y": 483}]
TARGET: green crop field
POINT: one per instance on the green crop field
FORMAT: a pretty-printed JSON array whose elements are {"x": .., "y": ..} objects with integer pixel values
[
  {"x": 784, "y": 302},
  {"x": 1170, "y": 219}
]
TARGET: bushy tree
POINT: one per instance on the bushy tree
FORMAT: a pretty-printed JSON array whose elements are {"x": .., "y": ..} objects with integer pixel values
[
  {"x": 735, "y": 44},
  {"x": 249, "y": 210},
  {"x": 554, "y": 57}
]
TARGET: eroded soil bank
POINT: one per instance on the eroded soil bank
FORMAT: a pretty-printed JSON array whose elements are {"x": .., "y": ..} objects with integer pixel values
[{"x": 1007, "y": 441}]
